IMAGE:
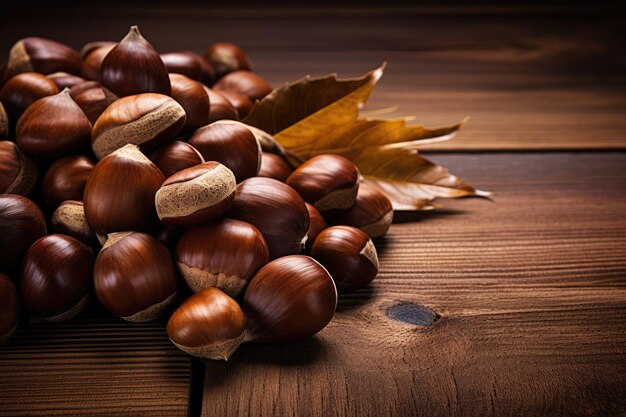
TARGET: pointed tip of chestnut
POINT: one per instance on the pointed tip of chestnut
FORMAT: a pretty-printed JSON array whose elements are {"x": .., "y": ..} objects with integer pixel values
[
  {"x": 133, "y": 66},
  {"x": 208, "y": 325}
]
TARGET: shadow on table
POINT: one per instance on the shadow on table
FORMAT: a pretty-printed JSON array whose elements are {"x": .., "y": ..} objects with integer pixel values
[{"x": 420, "y": 216}]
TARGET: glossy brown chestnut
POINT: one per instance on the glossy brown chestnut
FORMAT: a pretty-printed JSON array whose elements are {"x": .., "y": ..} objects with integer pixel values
[
  {"x": 326, "y": 181},
  {"x": 223, "y": 254},
  {"x": 146, "y": 120},
  {"x": 18, "y": 173},
  {"x": 195, "y": 100},
  {"x": 91, "y": 65},
  {"x": 232, "y": 144},
  {"x": 89, "y": 47},
  {"x": 190, "y": 64},
  {"x": 119, "y": 194},
  {"x": 92, "y": 98},
  {"x": 69, "y": 219},
  {"x": 175, "y": 156},
  {"x": 244, "y": 82},
  {"x": 134, "y": 276},
  {"x": 348, "y": 254},
  {"x": 239, "y": 101},
  {"x": 21, "y": 223},
  {"x": 23, "y": 90},
  {"x": 42, "y": 55},
  {"x": 317, "y": 224},
  {"x": 276, "y": 210},
  {"x": 208, "y": 325},
  {"x": 289, "y": 299},
  {"x": 53, "y": 126},
  {"x": 221, "y": 108},
  {"x": 372, "y": 212},
  {"x": 226, "y": 57},
  {"x": 9, "y": 308},
  {"x": 4, "y": 123},
  {"x": 55, "y": 281},
  {"x": 65, "y": 80},
  {"x": 274, "y": 166},
  {"x": 134, "y": 67},
  {"x": 66, "y": 179},
  {"x": 195, "y": 195}
]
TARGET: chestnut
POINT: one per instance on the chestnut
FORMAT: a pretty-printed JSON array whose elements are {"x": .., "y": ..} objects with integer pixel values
[
  {"x": 69, "y": 219},
  {"x": 226, "y": 57},
  {"x": 55, "y": 281},
  {"x": 190, "y": 64},
  {"x": 91, "y": 65},
  {"x": 242, "y": 103},
  {"x": 4, "y": 123},
  {"x": 133, "y": 67},
  {"x": 21, "y": 223},
  {"x": 192, "y": 96},
  {"x": 289, "y": 299},
  {"x": 89, "y": 47},
  {"x": 208, "y": 325},
  {"x": 372, "y": 212},
  {"x": 326, "y": 181},
  {"x": 317, "y": 224},
  {"x": 175, "y": 156},
  {"x": 53, "y": 126},
  {"x": 65, "y": 80},
  {"x": 18, "y": 173},
  {"x": 231, "y": 143},
  {"x": 23, "y": 90},
  {"x": 119, "y": 194},
  {"x": 146, "y": 120},
  {"x": 221, "y": 108},
  {"x": 66, "y": 179},
  {"x": 195, "y": 195},
  {"x": 92, "y": 98},
  {"x": 348, "y": 254},
  {"x": 9, "y": 308},
  {"x": 274, "y": 208},
  {"x": 168, "y": 235},
  {"x": 42, "y": 55},
  {"x": 246, "y": 83},
  {"x": 274, "y": 166},
  {"x": 223, "y": 254},
  {"x": 134, "y": 276}
]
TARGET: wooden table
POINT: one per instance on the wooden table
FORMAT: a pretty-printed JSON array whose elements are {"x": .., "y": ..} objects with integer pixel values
[{"x": 515, "y": 306}]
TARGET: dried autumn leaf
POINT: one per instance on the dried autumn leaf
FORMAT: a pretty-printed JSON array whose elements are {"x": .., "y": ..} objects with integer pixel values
[
  {"x": 350, "y": 139},
  {"x": 303, "y": 111},
  {"x": 410, "y": 180}
]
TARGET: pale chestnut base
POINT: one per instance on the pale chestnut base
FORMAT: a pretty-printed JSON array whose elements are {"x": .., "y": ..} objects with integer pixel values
[
  {"x": 340, "y": 199},
  {"x": 205, "y": 191},
  {"x": 72, "y": 312},
  {"x": 198, "y": 279},
  {"x": 369, "y": 251},
  {"x": 380, "y": 227},
  {"x": 5, "y": 338},
  {"x": 139, "y": 131},
  {"x": 152, "y": 312},
  {"x": 19, "y": 59},
  {"x": 74, "y": 215},
  {"x": 220, "y": 351}
]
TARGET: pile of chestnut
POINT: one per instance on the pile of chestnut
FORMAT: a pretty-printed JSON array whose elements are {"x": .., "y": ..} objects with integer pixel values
[{"x": 153, "y": 191}]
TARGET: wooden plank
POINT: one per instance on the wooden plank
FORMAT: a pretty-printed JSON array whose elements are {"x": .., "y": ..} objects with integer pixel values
[
  {"x": 538, "y": 81},
  {"x": 511, "y": 307},
  {"x": 89, "y": 367}
]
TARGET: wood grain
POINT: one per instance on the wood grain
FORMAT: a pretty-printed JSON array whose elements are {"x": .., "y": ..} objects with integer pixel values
[
  {"x": 93, "y": 367},
  {"x": 508, "y": 307},
  {"x": 529, "y": 80}
]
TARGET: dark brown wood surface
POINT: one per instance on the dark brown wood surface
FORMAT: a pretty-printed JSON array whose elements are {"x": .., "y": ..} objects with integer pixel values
[{"x": 515, "y": 306}]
